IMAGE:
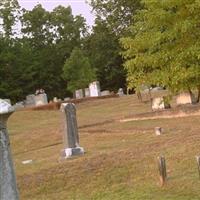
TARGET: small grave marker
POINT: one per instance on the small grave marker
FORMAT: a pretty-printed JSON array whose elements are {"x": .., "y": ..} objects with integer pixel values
[
  {"x": 198, "y": 164},
  {"x": 158, "y": 131},
  {"x": 71, "y": 137},
  {"x": 162, "y": 170}
]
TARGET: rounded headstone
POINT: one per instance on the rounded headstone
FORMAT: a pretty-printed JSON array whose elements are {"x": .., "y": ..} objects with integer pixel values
[{"x": 5, "y": 107}]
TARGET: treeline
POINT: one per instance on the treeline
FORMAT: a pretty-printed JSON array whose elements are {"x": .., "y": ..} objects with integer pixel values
[
  {"x": 132, "y": 43},
  {"x": 163, "y": 47},
  {"x": 58, "y": 52}
]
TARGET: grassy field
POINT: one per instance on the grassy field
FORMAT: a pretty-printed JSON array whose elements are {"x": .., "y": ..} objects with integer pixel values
[{"x": 120, "y": 160}]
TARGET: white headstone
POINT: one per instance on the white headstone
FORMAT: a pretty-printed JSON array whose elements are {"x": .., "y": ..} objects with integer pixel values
[
  {"x": 41, "y": 99},
  {"x": 95, "y": 89},
  {"x": 79, "y": 94},
  {"x": 120, "y": 92},
  {"x": 55, "y": 99},
  {"x": 5, "y": 107},
  {"x": 185, "y": 98},
  {"x": 159, "y": 104},
  {"x": 105, "y": 93},
  {"x": 87, "y": 92}
]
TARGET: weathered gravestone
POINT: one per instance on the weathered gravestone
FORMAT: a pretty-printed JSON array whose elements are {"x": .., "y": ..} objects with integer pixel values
[
  {"x": 30, "y": 100},
  {"x": 95, "y": 90},
  {"x": 71, "y": 137},
  {"x": 8, "y": 187},
  {"x": 79, "y": 94},
  {"x": 185, "y": 98},
  {"x": 159, "y": 104},
  {"x": 120, "y": 92},
  {"x": 41, "y": 99},
  {"x": 87, "y": 92},
  {"x": 105, "y": 93}
]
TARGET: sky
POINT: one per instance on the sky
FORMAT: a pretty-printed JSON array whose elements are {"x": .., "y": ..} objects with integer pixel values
[{"x": 78, "y": 7}]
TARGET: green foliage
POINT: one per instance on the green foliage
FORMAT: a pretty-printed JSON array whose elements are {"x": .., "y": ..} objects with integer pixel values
[
  {"x": 164, "y": 45},
  {"x": 103, "y": 49},
  {"x": 78, "y": 71},
  {"x": 116, "y": 13},
  {"x": 9, "y": 12}
]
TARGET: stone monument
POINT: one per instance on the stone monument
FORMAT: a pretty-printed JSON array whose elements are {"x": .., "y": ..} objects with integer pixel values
[
  {"x": 87, "y": 92},
  {"x": 30, "y": 100},
  {"x": 8, "y": 187},
  {"x": 120, "y": 92},
  {"x": 95, "y": 90},
  {"x": 71, "y": 137},
  {"x": 79, "y": 94},
  {"x": 185, "y": 98},
  {"x": 105, "y": 93},
  {"x": 41, "y": 99},
  {"x": 159, "y": 104}
]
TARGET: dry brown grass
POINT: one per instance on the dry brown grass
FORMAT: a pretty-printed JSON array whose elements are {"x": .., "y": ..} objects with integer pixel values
[{"x": 120, "y": 159}]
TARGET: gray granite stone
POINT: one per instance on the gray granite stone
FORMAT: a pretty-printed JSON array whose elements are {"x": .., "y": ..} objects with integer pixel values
[
  {"x": 8, "y": 187},
  {"x": 71, "y": 137}
]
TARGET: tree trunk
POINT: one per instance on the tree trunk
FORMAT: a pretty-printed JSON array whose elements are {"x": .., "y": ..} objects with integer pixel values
[{"x": 198, "y": 96}]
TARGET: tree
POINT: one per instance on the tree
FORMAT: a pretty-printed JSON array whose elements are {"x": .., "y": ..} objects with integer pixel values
[
  {"x": 9, "y": 12},
  {"x": 164, "y": 46},
  {"x": 103, "y": 48},
  {"x": 117, "y": 13},
  {"x": 52, "y": 36},
  {"x": 78, "y": 71}
]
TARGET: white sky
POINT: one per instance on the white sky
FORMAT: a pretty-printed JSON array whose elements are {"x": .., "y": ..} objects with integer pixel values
[{"x": 78, "y": 7}]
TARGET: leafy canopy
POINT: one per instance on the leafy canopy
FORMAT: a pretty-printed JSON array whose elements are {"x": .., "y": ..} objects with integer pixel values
[
  {"x": 78, "y": 71},
  {"x": 164, "y": 45}
]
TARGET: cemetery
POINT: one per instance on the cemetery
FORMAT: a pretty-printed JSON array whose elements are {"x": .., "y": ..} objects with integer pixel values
[
  {"x": 99, "y": 100},
  {"x": 103, "y": 157}
]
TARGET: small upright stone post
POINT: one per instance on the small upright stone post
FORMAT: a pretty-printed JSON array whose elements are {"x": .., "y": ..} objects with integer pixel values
[
  {"x": 162, "y": 170},
  {"x": 158, "y": 131},
  {"x": 198, "y": 164},
  {"x": 8, "y": 186},
  {"x": 71, "y": 137}
]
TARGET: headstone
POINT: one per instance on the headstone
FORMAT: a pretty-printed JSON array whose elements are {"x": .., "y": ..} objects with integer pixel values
[
  {"x": 8, "y": 101},
  {"x": 158, "y": 131},
  {"x": 79, "y": 94},
  {"x": 67, "y": 99},
  {"x": 185, "y": 98},
  {"x": 71, "y": 137},
  {"x": 198, "y": 164},
  {"x": 159, "y": 104},
  {"x": 41, "y": 99},
  {"x": 105, "y": 93},
  {"x": 30, "y": 100},
  {"x": 95, "y": 89},
  {"x": 120, "y": 92},
  {"x": 8, "y": 187},
  {"x": 162, "y": 169},
  {"x": 19, "y": 105},
  {"x": 87, "y": 92},
  {"x": 55, "y": 99}
]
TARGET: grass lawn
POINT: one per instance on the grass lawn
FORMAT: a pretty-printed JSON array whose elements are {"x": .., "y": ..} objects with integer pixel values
[{"x": 120, "y": 161}]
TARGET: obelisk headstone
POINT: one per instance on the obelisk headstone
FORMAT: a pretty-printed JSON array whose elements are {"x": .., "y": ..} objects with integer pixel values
[
  {"x": 71, "y": 137},
  {"x": 8, "y": 186}
]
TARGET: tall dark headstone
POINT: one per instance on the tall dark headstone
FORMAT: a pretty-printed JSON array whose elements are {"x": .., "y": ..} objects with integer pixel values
[
  {"x": 8, "y": 186},
  {"x": 71, "y": 137}
]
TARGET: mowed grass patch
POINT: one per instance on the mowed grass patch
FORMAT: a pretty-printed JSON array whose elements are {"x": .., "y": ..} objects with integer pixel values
[{"x": 120, "y": 160}]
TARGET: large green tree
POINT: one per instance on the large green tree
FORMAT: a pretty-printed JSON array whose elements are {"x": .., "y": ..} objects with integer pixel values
[
  {"x": 164, "y": 45},
  {"x": 78, "y": 71}
]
